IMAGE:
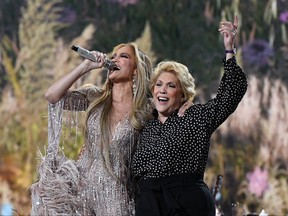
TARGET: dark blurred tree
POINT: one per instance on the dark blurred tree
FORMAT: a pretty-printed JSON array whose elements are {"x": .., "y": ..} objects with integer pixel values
[
  {"x": 10, "y": 12},
  {"x": 184, "y": 30},
  {"x": 115, "y": 23},
  {"x": 9, "y": 21},
  {"x": 180, "y": 31}
]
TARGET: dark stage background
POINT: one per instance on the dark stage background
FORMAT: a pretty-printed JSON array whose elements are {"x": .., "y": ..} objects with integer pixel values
[{"x": 250, "y": 149}]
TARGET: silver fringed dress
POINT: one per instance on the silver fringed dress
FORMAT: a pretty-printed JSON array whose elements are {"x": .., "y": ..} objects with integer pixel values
[{"x": 85, "y": 186}]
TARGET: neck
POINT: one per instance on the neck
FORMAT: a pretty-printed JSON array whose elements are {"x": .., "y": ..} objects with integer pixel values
[
  {"x": 122, "y": 93},
  {"x": 122, "y": 99},
  {"x": 162, "y": 118}
]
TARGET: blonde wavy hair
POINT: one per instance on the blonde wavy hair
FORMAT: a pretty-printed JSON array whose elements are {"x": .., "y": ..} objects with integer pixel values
[
  {"x": 185, "y": 78},
  {"x": 140, "y": 106}
]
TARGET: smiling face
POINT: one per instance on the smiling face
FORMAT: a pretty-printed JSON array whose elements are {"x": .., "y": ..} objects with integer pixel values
[
  {"x": 125, "y": 59},
  {"x": 167, "y": 94}
]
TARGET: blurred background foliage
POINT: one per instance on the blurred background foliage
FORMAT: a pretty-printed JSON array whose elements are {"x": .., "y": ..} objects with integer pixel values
[{"x": 249, "y": 149}]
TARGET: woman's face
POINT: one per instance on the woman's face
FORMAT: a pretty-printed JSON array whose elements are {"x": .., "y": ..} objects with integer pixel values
[
  {"x": 167, "y": 93},
  {"x": 125, "y": 59}
]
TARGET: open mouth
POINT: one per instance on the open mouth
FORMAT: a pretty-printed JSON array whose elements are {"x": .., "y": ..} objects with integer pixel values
[
  {"x": 162, "y": 99},
  {"x": 115, "y": 68}
]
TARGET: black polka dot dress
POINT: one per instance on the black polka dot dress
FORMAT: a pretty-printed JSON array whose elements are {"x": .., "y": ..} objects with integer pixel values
[{"x": 180, "y": 147}]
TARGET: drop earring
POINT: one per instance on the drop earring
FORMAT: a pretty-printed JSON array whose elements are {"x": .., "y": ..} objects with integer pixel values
[{"x": 134, "y": 85}]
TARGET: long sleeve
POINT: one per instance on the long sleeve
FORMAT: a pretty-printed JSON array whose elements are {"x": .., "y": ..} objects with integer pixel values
[
  {"x": 80, "y": 99},
  {"x": 233, "y": 86}
]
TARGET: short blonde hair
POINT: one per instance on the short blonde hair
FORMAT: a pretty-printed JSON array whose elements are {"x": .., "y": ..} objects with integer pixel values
[{"x": 181, "y": 71}]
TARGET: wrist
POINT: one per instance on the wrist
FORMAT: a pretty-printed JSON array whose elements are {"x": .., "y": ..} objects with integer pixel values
[
  {"x": 85, "y": 67},
  {"x": 232, "y": 51}
]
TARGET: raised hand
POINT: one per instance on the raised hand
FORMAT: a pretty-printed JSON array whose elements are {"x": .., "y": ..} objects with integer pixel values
[{"x": 229, "y": 31}]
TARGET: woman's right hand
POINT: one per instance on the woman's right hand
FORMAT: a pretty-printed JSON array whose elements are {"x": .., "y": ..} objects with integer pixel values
[
  {"x": 57, "y": 90},
  {"x": 99, "y": 56},
  {"x": 229, "y": 31}
]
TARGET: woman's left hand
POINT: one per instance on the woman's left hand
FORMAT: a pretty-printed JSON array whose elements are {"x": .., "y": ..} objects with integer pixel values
[
  {"x": 229, "y": 31},
  {"x": 184, "y": 107}
]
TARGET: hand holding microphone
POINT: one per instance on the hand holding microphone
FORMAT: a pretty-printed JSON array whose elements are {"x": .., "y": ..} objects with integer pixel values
[{"x": 108, "y": 64}]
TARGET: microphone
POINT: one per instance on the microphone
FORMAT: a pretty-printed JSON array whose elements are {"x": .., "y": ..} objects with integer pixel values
[{"x": 108, "y": 64}]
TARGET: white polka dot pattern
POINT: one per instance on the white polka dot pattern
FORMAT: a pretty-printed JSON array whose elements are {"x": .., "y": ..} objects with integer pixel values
[{"x": 181, "y": 144}]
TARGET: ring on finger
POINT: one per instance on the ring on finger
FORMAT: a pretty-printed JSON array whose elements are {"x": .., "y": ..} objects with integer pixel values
[{"x": 234, "y": 31}]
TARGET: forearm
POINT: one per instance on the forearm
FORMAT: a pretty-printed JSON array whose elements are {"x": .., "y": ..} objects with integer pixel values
[
  {"x": 233, "y": 84},
  {"x": 56, "y": 91},
  {"x": 231, "y": 90}
]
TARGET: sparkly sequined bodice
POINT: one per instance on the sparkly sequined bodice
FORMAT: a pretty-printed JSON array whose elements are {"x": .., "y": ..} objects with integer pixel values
[{"x": 102, "y": 193}]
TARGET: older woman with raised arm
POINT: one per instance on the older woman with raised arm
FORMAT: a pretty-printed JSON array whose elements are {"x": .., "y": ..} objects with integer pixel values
[{"x": 171, "y": 157}]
